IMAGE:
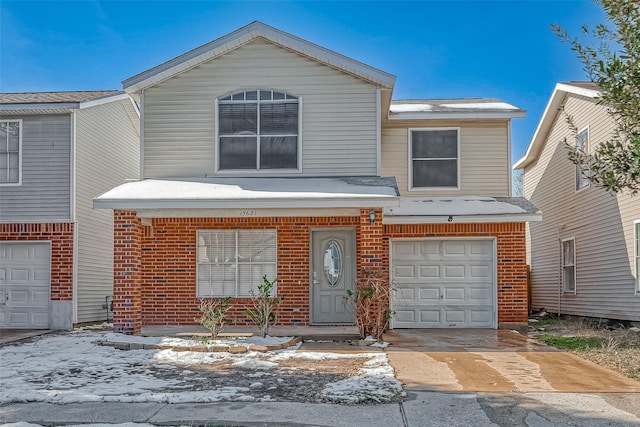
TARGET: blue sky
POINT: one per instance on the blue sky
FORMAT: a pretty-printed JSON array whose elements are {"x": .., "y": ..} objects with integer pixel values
[{"x": 436, "y": 49}]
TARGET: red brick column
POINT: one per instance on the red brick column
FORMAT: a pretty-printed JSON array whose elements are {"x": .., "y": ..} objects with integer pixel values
[
  {"x": 512, "y": 275},
  {"x": 369, "y": 242},
  {"x": 127, "y": 279}
]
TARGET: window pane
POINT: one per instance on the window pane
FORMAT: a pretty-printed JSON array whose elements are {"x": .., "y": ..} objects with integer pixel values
[
  {"x": 568, "y": 252},
  {"x": 278, "y": 95},
  {"x": 279, "y": 119},
  {"x": 434, "y": 144},
  {"x": 238, "y": 153},
  {"x": 251, "y": 96},
  {"x": 238, "y": 119},
  {"x": 279, "y": 152},
  {"x": 14, "y": 137},
  {"x": 4, "y": 161},
  {"x": 13, "y": 175},
  {"x": 13, "y": 160},
  {"x": 250, "y": 276},
  {"x": 569, "y": 279},
  {"x": 435, "y": 173},
  {"x": 265, "y": 95}
]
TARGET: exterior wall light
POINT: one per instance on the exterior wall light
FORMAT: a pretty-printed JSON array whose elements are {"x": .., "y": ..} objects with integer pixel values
[
  {"x": 372, "y": 216},
  {"x": 450, "y": 219}
]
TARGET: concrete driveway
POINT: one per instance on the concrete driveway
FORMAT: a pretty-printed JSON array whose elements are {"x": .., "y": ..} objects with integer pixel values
[{"x": 484, "y": 360}]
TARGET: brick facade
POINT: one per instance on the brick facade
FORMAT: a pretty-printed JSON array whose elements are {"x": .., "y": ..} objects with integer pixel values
[
  {"x": 61, "y": 237},
  {"x": 155, "y": 264}
]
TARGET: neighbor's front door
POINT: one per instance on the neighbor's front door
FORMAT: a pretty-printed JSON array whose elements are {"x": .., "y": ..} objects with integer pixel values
[{"x": 333, "y": 272}]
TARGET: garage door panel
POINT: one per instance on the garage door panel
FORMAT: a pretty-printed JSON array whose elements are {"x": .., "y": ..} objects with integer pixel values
[
  {"x": 454, "y": 271},
  {"x": 405, "y": 271},
  {"x": 25, "y": 282},
  {"x": 429, "y": 271},
  {"x": 453, "y": 294},
  {"x": 429, "y": 294},
  {"x": 455, "y": 286}
]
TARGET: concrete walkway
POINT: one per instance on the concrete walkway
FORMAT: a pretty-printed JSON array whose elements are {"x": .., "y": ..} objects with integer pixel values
[{"x": 494, "y": 361}]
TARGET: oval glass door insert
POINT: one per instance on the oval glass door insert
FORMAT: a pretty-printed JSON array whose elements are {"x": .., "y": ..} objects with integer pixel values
[{"x": 333, "y": 263}]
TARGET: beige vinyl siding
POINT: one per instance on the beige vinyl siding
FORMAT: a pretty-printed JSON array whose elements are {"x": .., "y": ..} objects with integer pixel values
[
  {"x": 46, "y": 158},
  {"x": 601, "y": 223},
  {"x": 338, "y": 113},
  {"x": 483, "y": 157},
  {"x": 107, "y": 153}
]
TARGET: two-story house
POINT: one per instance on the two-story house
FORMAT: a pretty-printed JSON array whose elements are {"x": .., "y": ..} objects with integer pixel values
[
  {"x": 264, "y": 154},
  {"x": 59, "y": 150},
  {"x": 585, "y": 255}
]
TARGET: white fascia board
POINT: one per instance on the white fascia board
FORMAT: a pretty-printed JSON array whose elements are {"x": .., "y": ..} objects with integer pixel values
[
  {"x": 243, "y": 36},
  {"x": 246, "y": 213},
  {"x": 548, "y": 118},
  {"x": 460, "y": 219},
  {"x": 104, "y": 100},
  {"x": 430, "y": 115},
  {"x": 132, "y": 204}
]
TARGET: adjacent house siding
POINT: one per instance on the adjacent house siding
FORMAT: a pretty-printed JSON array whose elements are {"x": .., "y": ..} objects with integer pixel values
[
  {"x": 107, "y": 153},
  {"x": 45, "y": 191},
  {"x": 601, "y": 223},
  {"x": 484, "y": 157},
  {"x": 338, "y": 113}
]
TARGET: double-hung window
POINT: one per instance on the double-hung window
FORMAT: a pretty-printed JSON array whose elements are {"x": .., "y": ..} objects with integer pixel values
[
  {"x": 434, "y": 158},
  {"x": 233, "y": 262},
  {"x": 569, "y": 265},
  {"x": 10, "y": 146},
  {"x": 258, "y": 130},
  {"x": 583, "y": 175}
]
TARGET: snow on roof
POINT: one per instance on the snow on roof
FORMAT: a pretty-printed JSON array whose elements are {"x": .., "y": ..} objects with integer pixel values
[
  {"x": 453, "y": 108},
  {"x": 560, "y": 92},
  {"x": 468, "y": 206},
  {"x": 54, "y": 97},
  {"x": 251, "y": 192}
]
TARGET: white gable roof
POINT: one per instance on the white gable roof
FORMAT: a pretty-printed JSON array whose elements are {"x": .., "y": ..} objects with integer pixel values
[
  {"x": 245, "y": 35},
  {"x": 461, "y": 108},
  {"x": 590, "y": 90}
]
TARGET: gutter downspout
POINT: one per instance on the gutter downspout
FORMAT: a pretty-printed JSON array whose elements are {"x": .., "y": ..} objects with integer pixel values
[
  {"x": 378, "y": 133},
  {"x": 72, "y": 178}
]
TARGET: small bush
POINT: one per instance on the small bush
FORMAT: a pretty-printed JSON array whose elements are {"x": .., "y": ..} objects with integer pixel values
[
  {"x": 214, "y": 314},
  {"x": 370, "y": 303},
  {"x": 264, "y": 312}
]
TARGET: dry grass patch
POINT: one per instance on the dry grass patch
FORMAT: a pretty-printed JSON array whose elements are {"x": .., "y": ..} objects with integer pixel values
[{"x": 615, "y": 348}]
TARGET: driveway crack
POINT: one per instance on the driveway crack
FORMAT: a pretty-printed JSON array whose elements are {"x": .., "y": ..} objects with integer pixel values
[{"x": 403, "y": 415}]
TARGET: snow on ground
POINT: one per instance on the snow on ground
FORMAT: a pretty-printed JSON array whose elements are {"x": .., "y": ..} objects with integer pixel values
[{"x": 72, "y": 367}]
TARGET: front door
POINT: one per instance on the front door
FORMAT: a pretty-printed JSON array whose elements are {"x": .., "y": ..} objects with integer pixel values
[{"x": 333, "y": 272}]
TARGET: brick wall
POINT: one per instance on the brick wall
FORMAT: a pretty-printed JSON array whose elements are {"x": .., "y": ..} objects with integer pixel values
[
  {"x": 155, "y": 265},
  {"x": 160, "y": 270},
  {"x": 512, "y": 268},
  {"x": 61, "y": 237}
]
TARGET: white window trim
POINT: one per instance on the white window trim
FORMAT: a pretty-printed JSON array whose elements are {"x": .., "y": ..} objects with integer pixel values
[
  {"x": 410, "y": 158},
  {"x": 236, "y": 231},
  {"x": 271, "y": 172},
  {"x": 636, "y": 254},
  {"x": 19, "y": 183},
  {"x": 577, "y": 168},
  {"x": 562, "y": 266}
]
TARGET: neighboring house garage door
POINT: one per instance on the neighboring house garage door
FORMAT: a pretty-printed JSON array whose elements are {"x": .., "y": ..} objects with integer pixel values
[
  {"x": 25, "y": 277},
  {"x": 443, "y": 283}
]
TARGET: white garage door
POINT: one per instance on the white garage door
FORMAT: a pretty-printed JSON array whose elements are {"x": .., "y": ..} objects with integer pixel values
[
  {"x": 443, "y": 284},
  {"x": 25, "y": 277}
]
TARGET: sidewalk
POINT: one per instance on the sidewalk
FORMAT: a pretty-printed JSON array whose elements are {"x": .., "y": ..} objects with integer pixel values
[{"x": 441, "y": 409}]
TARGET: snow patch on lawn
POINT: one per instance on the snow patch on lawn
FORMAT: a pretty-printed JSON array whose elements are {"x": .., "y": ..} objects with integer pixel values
[{"x": 73, "y": 368}]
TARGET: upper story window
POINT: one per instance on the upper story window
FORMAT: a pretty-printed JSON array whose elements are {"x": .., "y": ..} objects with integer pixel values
[
  {"x": 583, "y": 176},
  {"x": 434, "y": 157},
  {"x": 258, "y": 130},
  {"x": 10, "y": 156}
]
